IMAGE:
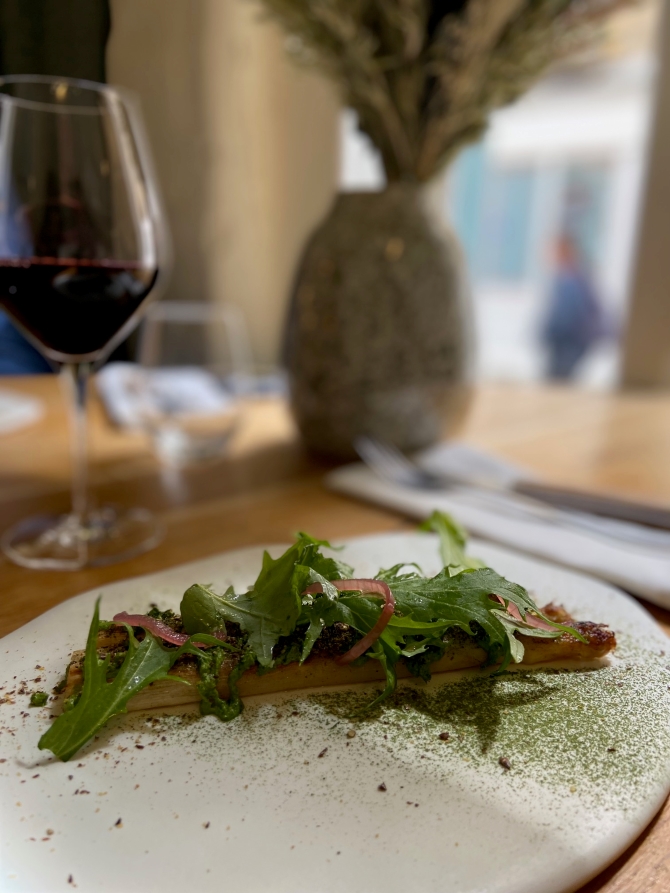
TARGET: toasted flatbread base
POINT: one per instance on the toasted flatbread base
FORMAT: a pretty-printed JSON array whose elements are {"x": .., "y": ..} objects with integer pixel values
[{"x": 320, "y": 671}]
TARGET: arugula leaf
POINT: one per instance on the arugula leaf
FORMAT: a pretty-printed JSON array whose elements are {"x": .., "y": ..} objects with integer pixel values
[
  {"x": 272, "y": 607},
  {"x": 328, "y": 567},
  {"x": 464, "y": 601},
  {"x": 453, "y": 539},
  {"x": 145, "y": 662},
  {"x": 392, "y": 574},
  {"x": 412, "y": 637},
  {"x": 270, "y": 610},
  {"x": 99, "y": 699},
  {"x": 201, "y": 611}
]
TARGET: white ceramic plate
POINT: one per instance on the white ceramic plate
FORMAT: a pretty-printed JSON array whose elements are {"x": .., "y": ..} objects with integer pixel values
[{"x": 282, "y": 799}]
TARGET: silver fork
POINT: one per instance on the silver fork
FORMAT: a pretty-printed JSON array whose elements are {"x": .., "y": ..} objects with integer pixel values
[{"x": 389, "y": 463}]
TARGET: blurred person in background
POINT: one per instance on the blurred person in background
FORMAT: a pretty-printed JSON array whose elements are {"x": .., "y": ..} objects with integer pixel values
[{"x": 575, "y": 318}]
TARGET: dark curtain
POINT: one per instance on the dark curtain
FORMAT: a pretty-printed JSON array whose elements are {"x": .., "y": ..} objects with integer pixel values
[{"x": 60, "y": 37}]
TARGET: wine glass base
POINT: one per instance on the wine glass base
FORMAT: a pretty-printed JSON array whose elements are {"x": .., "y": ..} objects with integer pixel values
[{"x": 66, "y": 542}]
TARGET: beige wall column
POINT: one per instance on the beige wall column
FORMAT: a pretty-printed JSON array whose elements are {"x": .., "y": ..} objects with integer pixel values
[
  {"x": 647, "y": 344},
  {"x": 245, "y": 144}
]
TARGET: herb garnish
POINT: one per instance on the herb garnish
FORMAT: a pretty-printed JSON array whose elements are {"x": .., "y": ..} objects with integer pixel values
[
  {"x": 145, "y": 662},
  {"x": 38, "y": 699},
  {"x": 279, "y": 621}
]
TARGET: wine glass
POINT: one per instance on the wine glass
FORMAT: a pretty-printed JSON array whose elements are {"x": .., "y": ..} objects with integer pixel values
[{"x": 83, "y": 244}]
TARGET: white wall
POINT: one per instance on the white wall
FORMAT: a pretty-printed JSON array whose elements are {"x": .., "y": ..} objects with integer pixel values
[{"x": 246, "y": 147}]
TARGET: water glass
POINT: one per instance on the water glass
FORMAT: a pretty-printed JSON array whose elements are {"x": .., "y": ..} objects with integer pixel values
[{"x": 194, "y": 372}]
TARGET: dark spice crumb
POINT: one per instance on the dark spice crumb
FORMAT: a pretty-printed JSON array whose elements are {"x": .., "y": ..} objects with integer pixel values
[
  {"x": 139, "y": 746},
  {"x": 505, "y": 763},
  {"x": 611, "y": 749},
  {"x": 444, "y": 736},
  {"x": 118, "y": 823},
  {"x": 323, "y": 752},
  {"x": 381, "y": 787},
  {"x": 70, "y": 879},
  {"x": 206, "y": 825},
  {"x": 163, "y": 738},
  {"x": 294, "y": 713}
]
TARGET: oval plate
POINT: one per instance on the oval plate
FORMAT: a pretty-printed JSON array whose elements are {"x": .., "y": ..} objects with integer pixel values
[{"x": 283, "y": 799}]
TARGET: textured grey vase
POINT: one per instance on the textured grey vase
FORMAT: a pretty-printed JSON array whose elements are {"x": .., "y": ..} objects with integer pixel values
[{"x": 378, "y": 339}]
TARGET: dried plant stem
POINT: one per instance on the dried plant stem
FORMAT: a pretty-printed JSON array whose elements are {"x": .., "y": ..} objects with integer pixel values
[{"x": 423, "y": 75}]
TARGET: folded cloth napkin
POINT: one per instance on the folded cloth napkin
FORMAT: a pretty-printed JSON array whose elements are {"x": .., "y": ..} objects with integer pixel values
[
  {"x": 18, "y": 410},
  {"x": 594, "y": 545},
  {"x": 134, "y": 395}
]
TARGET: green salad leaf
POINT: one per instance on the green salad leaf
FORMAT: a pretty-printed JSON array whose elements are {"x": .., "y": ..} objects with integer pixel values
[
  {"x": 145, "y": 662},
  {"x": 453, "y": 539},
  {"x": 201, "y": 611},
  {"x": 270, "y": 609}
]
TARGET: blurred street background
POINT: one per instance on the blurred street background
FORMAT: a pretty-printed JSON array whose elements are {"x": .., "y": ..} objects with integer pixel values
[{"x": 566, "y": 160}]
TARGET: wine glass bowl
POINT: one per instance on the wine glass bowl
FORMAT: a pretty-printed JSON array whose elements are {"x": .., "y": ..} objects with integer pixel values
[
  {"x": 80, "y": 229},
  {"x": 83, "y": 246}
]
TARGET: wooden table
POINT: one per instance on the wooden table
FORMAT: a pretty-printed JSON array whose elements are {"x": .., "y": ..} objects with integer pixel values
[{"x": 269, "y": 488}]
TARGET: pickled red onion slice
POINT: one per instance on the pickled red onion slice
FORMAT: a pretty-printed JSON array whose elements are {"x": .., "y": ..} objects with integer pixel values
[
  {"x": 371, "y": 637},
  {"x": 157, "y": 628}
]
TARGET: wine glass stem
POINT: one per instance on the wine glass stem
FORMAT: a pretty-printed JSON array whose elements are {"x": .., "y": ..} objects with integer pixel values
[{"x": 76, "y": 377}]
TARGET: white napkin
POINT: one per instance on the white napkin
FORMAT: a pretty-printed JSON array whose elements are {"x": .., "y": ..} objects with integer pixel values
[
  {"x": 18, "y": 410},
  {"x": 132, "y": 393},
  {"x": 502, "y": 517}
]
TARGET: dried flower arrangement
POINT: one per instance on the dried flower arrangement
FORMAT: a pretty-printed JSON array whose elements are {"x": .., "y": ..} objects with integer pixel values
[{"x": 423, "y": 75}]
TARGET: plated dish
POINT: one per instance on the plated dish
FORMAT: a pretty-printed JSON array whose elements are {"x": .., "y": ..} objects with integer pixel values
[
  {"x": 308, "y": 621},
  {"x": 499, "y": 782}
]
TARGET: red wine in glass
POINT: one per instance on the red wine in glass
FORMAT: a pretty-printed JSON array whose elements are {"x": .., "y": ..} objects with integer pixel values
[
  {"x": 73, "y": 307},
  {"x": 83, "y": 243}
]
